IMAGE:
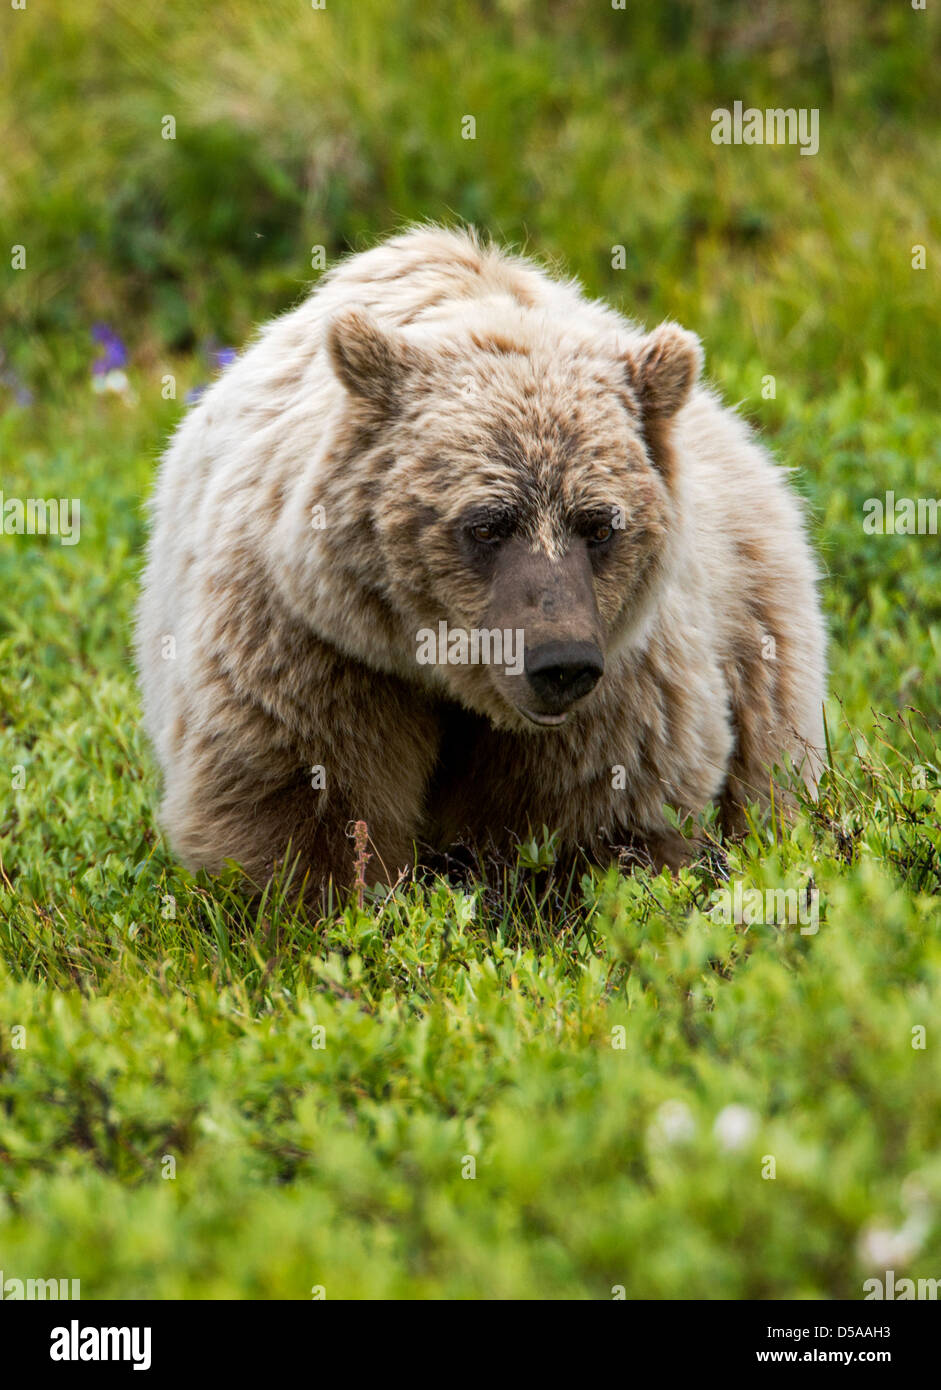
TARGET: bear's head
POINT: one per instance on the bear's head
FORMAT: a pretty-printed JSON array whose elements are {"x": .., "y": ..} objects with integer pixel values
[{"x": 523, "y": 497}]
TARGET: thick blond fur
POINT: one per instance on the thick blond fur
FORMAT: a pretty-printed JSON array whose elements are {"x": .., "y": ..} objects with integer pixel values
[{"x": 423, "y": 377}]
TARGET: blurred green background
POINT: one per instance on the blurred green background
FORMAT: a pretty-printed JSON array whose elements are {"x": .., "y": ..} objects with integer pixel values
[
  {"x": 297, "y": 127},
  {"x": 164, "y": 1015}
]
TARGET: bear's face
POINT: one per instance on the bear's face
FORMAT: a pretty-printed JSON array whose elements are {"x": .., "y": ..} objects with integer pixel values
[{"x": 526, "y": 508}]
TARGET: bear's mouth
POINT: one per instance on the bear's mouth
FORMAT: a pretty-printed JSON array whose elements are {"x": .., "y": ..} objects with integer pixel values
[{"x": 545, "y": 721}]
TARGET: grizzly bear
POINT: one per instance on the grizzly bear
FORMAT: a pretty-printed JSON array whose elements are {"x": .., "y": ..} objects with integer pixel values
[{"x": 455, "y": 551}]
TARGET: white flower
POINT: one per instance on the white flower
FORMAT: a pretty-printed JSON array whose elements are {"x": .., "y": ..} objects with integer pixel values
[
  {"x": 114, "y": 381},
  {"x": 880, "y": 1247},
  {"x": 672, "y": 1124},
  {"x": 734, "y": 1127},
  {"x": 915, "y": 1194}
]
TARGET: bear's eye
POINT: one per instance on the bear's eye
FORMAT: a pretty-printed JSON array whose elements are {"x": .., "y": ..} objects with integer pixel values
[
  {"x": 600, "y": 533},
  {"x": 484, "y": 532}
]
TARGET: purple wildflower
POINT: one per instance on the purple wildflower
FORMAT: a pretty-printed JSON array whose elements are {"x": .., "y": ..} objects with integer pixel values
[
  {"x": 114, "y": 353},
  {"x": 9, "y": 378}
]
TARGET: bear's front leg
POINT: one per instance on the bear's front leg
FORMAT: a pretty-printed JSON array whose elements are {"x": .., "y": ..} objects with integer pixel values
[{"x": 258, "y": 780}]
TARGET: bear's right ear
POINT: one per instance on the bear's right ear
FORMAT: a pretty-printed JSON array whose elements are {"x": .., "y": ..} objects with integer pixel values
[{"x": 371, "y": 361}]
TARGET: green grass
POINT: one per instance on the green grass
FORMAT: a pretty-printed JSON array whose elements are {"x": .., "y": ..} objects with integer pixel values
[{"x": 165, "y": 1018}]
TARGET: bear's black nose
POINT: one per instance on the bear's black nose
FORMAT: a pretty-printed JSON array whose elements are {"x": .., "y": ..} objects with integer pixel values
[{"x": 560, "y": 673}]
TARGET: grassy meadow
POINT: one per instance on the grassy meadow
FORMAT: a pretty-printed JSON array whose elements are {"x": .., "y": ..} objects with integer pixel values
[{"x": 528, "y": 1085}]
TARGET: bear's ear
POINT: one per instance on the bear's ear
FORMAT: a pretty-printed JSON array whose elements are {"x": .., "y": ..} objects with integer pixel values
[
  {"x": 371, "y": 361},
  {"x": 663, "y": 369}
]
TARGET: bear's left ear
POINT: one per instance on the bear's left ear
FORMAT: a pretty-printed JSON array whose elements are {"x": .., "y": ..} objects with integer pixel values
[
  {"x": 371, "y": 361},
  {"x": 663, "y": 370}
]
